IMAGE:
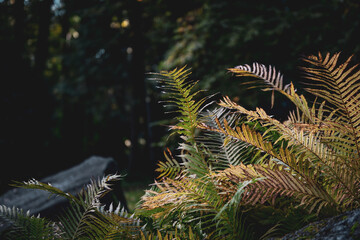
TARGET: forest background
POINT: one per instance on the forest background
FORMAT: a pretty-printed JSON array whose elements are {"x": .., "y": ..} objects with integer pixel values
[{"x": 73, "y": 72}]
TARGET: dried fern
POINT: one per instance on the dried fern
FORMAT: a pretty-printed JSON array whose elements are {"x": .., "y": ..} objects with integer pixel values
[{"x": 319, "y": 147}]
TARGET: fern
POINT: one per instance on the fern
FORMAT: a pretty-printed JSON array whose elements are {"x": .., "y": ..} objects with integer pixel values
[
  {"x": 276, "y": 181},
  {"x": 195, "y": 202},
  {"x": 169, "y": 168},
  {"x": 223, "y": 151},
  {"x": 339, "y": 85},
  {"x": 86, "y": 218},
  {"x": 318, "y": 144},
  {"x": 180, "y": 95},
  {"x": 25, "y": 226},
  {"x": 268, "y": 77},
  {"x": 235, "y": 166}
]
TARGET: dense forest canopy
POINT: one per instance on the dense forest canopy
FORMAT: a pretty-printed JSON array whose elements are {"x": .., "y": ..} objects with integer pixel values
[{"x": 74, "y": 72}]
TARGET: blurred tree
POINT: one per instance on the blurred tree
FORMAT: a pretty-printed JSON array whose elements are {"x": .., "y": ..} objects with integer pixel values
[{"x": 223, "y": 34}]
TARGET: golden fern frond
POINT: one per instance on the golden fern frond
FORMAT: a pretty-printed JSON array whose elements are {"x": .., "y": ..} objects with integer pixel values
[
  {"x": 197, "y": 201},
  {"x": 339, "y": 85},
  {"x": 306, "y": 155},
  {"x": 274, "y": 81},
  {"x": 301, "y": 165},
  {"x": 182, "y": 194},
  {"x": 306, "y": 137},
  {"x": 169, "y": 168},
  {"x": 305, "y": 117},
  {"x": 276, "y": 182},
  {"x": 346, "y": 189},
  {"x": 309, "y": 150},
  {"x": 244, "y": 134},
  {"x": 172, "y": 235}
]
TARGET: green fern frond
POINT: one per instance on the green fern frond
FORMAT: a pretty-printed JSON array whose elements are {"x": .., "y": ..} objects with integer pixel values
[
  {"x": 83, "y": 219},
  {"x": 35, "y": 184},
  {"x": 73, "y": 221},
  {"x": 25, "y": 226},
  {"x": 194, "y": 160},
  {"x": 169, "y": 168},
  {"x": 223, "y": 151},
  {"x": 118, "y": 223},
  {"x": 181, "y": 96}
]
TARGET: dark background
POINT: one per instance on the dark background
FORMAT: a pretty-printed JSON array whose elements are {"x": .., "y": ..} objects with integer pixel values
[{"x": 73, "y": 72}]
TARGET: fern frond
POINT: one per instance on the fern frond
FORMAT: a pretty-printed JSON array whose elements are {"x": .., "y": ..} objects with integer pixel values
[
  {"x": 223, "y": 151},
  {"x": 276, "y": 182},
  {"x": 187, "y": 200},
  {"x": 113, "y": 224},
  {"x": 78, "y": 221},
  {"x": 194, "y": 160},
  {"x": 25, "y": 226},
  {"x": 74, "y": 223},
  {"x": 339, "y": 85},
  {"x": 270, "y": 79},
  {"x": 35, "y": 184},
  {"x": 305, "y": 155},
  {"x": 93, "y": 192},
  {"x": 170, "y": 168},
  {"x": 170, "y": 235},
  {"x": 197, "y": 201},
  {"x": 244, "y": 134},
  {"x": 180, "y": 93}
]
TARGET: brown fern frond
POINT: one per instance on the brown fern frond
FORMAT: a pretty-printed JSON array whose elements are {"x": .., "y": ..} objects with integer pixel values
[
  {"x": 276, "y": 182},
  {"x": 182, "y": 195},
  {"x": 305, "y": 156},
  {"x": 339, "y": 85}
]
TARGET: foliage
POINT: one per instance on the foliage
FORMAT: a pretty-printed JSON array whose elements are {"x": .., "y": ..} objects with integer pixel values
[
  {"x": 239, "y": 174},
  {"x": 217, "y": 34},
  {"x": 311, "y": 159},
  {"x": 319, "y": 144},
  {"x": 189, "y": 195},
  {"x": 86, "y": 218},
  {"x": 24, "y": 226}
]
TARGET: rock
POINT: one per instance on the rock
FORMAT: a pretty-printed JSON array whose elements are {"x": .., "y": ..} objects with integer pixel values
[
  {"x": 342, "y": 227},
  {"x": 71, "y": 180}
]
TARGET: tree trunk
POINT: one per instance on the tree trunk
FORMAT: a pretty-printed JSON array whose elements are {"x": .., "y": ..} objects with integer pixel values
[
  {"x": 42, "y": 48},
  {"x": 140, "y": 161}
]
